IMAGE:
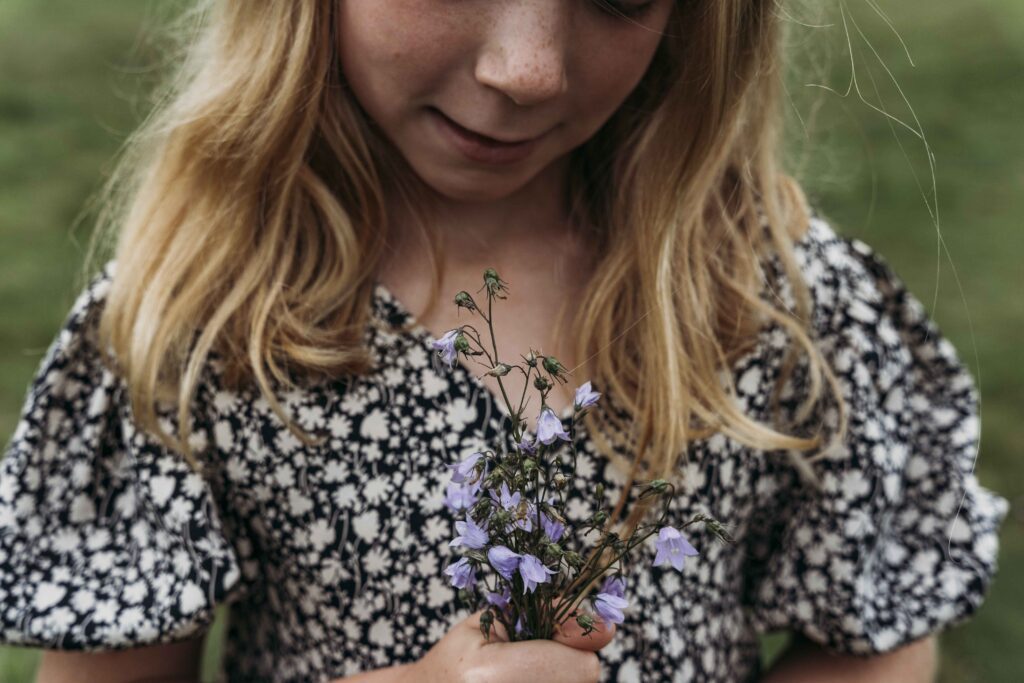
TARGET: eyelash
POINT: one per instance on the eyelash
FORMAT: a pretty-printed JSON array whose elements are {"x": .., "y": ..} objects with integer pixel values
[{"x": 626, "y": 9}]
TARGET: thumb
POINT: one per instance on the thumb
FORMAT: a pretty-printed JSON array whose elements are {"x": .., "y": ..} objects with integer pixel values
[{"x": 570, "y": 633}]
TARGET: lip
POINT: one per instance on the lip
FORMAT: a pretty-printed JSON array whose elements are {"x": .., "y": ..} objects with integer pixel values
[{"x": 481, "y": 148}]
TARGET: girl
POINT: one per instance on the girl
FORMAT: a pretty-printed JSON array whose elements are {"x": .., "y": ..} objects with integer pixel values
[{"x": 242, "y": 409}]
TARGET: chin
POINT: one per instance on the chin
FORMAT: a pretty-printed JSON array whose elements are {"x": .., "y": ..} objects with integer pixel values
[{"x": 473, "y": 187}]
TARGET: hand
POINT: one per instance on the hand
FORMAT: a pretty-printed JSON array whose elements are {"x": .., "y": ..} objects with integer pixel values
[{"x": 465, "y": 656}]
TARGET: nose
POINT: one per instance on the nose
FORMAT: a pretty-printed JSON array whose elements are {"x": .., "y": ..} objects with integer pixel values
[{"x": 524, "y": 55}]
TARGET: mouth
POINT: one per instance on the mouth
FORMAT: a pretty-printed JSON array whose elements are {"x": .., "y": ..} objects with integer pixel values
[
  {"x": 481, "y": 148},
  {"x": 480, "y": 137}
]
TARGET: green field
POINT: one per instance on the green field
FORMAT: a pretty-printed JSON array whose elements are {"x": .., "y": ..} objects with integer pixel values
[{"x": 73, "y": 74}]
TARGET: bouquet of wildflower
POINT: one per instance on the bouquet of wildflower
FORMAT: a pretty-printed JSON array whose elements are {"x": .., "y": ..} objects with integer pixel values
[{"x": 514, "y": 530}]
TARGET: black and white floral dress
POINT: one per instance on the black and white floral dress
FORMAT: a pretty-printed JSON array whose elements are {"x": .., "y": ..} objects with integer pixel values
[{"x": 331, "y": 557}]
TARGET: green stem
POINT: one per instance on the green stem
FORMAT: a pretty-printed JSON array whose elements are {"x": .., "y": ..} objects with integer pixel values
[
  {"x": 517, "y": 432},
  {"x": 630, "y": 545},
  {"x": 494, "y": 346}
]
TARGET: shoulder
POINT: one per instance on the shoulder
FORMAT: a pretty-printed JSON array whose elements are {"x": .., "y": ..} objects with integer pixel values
[
  {"x": 73, "y": 380},
  {"x": 80, "y": 384},
  {"x": 83, "y": 491},
  {"x": 873, "y": 332},
  {"x": 79, "y": 331},
  {"x": 849, "y": 282}
]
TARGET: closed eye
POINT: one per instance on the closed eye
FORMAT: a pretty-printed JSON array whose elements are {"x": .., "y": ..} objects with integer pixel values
[{"x": 626, "y": 8}]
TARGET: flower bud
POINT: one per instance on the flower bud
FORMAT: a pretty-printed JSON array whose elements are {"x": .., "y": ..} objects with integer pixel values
[
  {"x": 573, "y": 559},
  {"x": 500, "y": 519},
  {"x": 586, "y": 622},
  {"x": 481, "y": 509},
  {"x": 552, "y": 365},
  {"x": 464, "y": 300},
  {"x": 493, "y": 283},
  {"x": 475, "y": 555},
  {"x": 659, "y": 485},
  {"x": 486, "y": 621},
  {"x": 559, "y": 480},
  {"x": 599, "y": 491},
  {"x": 529, "y": 465},
  {"x": 531, "y": 359},
  {"x": 499, "y": 370},
  {"x": 718, "y": 529},
  {"x": 461, "y": 343},
  {"x": 615, "y": 542},
  {"x": 553, "y": 551},
  {"x": 600, "y": 517},
  {"x": 541, "y": 384},
  {"x": 554, "y": 514}
]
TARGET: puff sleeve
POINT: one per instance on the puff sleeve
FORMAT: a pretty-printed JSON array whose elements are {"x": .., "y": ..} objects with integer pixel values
[
  {"x": 902, "y": 540},
  {"x": 107, "y": 539}
]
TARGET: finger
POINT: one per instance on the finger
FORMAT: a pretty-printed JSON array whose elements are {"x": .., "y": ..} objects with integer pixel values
[
  {"x": 497, "y": 633},
  {"x": 570, "y": 633},
  {"x": 539, "y": 660}
]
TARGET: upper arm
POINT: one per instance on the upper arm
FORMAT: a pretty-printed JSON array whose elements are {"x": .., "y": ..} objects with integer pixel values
[
  {"x": 807, "y": 661},
  {"x": 899, "y": 539},
  {"x": 166, "y": 662},
  {"x": 109, "y": 539}
]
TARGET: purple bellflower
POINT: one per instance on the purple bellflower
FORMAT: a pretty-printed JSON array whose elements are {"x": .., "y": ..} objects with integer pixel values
[
  {"x": 673, "y": 548},
  {"x": 462, "y": 573},
  {"x": 504, "y": 561},
  {"x": 499, "y": 600},
  {"x": 552, "y": 527},
  {"x": 525, "y": 446},
  {"x": 470, "y": 535},
  {"x": 610, "y": 600},
  {"x": 464, "y": 470},
  {"x": 526, "y": 523},
  {"x": 614, "y": 585},
  {"x": 445, "y": 347},
  {"x": 461, "y": 497},
  {"x": 549, "y": 427},
  {"x": 585, "y": 397},
  {"x": 609, "y": 608},
  {"x": 533, "y": 572},
  {"x": 510, "y": 501}
]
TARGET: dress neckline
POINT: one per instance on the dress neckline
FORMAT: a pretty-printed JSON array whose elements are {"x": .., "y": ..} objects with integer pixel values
[{"x": 425, "y": 338}]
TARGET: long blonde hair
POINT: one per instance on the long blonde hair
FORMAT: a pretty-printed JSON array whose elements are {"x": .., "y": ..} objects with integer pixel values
[{"x": 250, "y": 217}]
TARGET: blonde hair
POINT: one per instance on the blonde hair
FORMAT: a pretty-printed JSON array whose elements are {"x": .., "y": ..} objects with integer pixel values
[{"x": 251, "y": 218}]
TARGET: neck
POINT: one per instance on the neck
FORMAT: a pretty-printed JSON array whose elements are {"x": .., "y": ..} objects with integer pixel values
[{"x": 519, "y": 225}]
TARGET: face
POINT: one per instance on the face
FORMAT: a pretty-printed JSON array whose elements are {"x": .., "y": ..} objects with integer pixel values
[{"x": 481, "y": 96}]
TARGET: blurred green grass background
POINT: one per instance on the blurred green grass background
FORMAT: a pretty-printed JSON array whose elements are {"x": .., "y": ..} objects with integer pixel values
[{"x": 72, "y": 81}]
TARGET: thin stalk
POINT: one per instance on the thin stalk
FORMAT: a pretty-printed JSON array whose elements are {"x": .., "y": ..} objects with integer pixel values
[
  {"x": 633, "y": 543},
  {"x": 494, "y": 346}
]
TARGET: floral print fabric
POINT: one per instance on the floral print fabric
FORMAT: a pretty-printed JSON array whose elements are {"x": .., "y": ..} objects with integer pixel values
[{"x": 331, "y": 556}]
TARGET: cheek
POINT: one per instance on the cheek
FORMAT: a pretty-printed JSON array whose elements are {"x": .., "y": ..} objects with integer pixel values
[
  {"x": 607, "y": 77},
  {"x": 392, "y": 52}
]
